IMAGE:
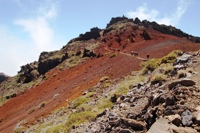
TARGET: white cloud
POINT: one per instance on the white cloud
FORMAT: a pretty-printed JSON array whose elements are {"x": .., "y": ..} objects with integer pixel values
[
  {"x": 16, "y": 52},
  {"x": 38, "y": 27},
  {"x": 40, "y": 32},
  {"x": 12, "y": 56},
  {"x": 143, "y": 12}
]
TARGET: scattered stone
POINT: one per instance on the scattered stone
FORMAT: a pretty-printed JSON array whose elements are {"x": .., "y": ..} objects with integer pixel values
[
  {"x": 187, "y": 118},
  {"x": 197, "y": 117},
  {"x": 183, "y": 59},
  {"x": 123, "y": 105},
  {"x": 183, "y": 130}
]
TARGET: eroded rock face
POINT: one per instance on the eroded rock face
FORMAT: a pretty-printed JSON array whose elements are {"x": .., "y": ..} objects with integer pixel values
[
  {"x": 47, "y": 61},
  {"x": 145, "y": 35},
  {"x": 28, "y": 72},
  {"x": 166, "y": 29},
  {"x": 94, "y": 33},
  {"x": 115, "y": 20}
]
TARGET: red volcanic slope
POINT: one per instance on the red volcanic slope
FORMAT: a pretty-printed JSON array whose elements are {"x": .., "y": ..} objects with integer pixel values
[{"x": 72, "y": 82}]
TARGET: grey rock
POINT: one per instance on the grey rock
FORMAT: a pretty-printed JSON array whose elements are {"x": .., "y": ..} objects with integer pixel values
[
  {"x": 183, "y": 59},
  {"x": 187, "y": 118}
]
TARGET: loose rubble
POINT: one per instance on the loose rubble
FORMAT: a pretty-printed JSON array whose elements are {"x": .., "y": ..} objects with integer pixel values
[{"x": 171, "y": 107}]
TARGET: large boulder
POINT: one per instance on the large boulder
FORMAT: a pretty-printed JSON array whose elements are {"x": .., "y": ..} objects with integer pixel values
[{"x": 163, "y": 125}]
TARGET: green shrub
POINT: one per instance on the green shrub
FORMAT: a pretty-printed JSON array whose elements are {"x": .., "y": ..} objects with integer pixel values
[
  {"x": 31, "y": 110},
  {"x": 168, "y": 68},
  {"x": 79, "y": 101},
  {"x": 150, "y": 65},
  {"x": 112, "y": 55},
  {"x": 171, "y": 57},
  {"x": 158, "y": 77},
  {"x": 42, "y": 105},
  {"x": 79, "y": 118}
]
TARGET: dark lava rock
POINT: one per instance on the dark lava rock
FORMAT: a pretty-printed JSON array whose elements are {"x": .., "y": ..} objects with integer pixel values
[
  {"x": 183, "y": 82},
  {"x": 145, "y": 35},
  {"x": 28, "y": 73},
  {"x": 115, "y": 20},
  {"x": 88, "y": 53},
  {"x": 94, "y": 33}
]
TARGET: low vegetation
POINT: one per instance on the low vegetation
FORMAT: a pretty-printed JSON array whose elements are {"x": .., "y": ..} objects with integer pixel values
[
  {"x": 152, "y": 64},
  {"x": 158, "y": 78}
]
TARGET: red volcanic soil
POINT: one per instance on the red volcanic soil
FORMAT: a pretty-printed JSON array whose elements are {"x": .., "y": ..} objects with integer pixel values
[{"x": 71, "y": 83}]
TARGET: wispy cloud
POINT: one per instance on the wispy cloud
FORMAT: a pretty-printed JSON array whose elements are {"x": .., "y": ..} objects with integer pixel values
[
  {"x": 143, "y": 12},
  {"x": 38, "y": 27}
]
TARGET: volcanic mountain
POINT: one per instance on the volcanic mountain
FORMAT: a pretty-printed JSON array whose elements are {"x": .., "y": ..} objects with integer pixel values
[{"x": 90, "y": 66}]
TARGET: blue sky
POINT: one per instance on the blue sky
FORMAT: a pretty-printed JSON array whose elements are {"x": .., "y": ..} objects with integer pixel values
[{"x": 28, "y": 27}]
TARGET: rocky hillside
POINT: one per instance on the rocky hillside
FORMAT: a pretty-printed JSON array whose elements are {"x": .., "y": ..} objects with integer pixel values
[
  {"x": 167, "y": 101},
  {"x": 124, "y": 78}
]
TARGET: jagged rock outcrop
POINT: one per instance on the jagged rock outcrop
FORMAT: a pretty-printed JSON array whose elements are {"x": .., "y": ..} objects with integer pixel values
[
  {"x": 3, "y": 77},
  {"x": 88, "y": 53},
  {"x": 47, "y": 62},
  {"x": 117, "y": 19},
  {"x": 94, "y": 33},
  {"x": 28, "y": 72},
  {"x": 145, "y": 35},
  {"x": 166, "y": 29}
]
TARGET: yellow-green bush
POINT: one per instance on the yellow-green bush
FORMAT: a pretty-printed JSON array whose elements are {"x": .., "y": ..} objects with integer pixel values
[
  {"x": 79, "y": 101},
  {"x": 171, "y": 57},
  {"x": 158, "y": 77}
]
